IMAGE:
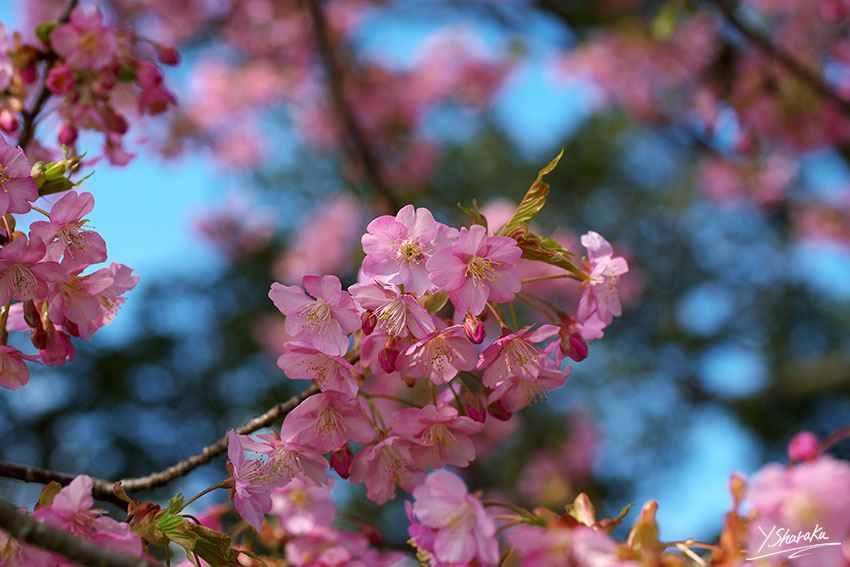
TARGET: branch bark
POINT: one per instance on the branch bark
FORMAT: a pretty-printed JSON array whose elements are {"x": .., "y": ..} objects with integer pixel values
[
  {"x": 25, "y": 529},
  {"x": 780, "y": 55},
  {"x": 103, "y": 490},
  {"x": 344, "y": 112},
  {"x": 29, "y": 116}
]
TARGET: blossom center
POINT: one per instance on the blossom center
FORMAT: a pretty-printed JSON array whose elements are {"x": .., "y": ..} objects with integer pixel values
[
  {"x": 89, "y": 42},
  {"x": 22, "y": 280},
  {"x": 408, "y": 251},
  {"x": 328, "y": 423},
  {"x": 4, "y": 175},
  {"x": 481, "y": 270},
  {"x": 437, "y": 354},
  {"x": 392, "y": 317},
  {"x": 316, "y": 316},
  {"x": 440, "y": 437},
  {"x": 519, "y": 354}
]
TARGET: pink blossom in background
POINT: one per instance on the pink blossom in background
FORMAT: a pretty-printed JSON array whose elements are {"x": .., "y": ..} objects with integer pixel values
[
  {"x": 324, "y": 241},
  {"x": 239, "y": 228},
  {"x": 442, "y": 430},
  {"x": 301, "y": 507},
  {"x": 383, "y": 466},
  {"x": 84, "y": 42},
  {"x": 476, "y": 269},
  {"x": 801, "y": 497},
  {"x": 464, "y": 530},
  {"x": 7, "y": 67},
  {"x": 321, "y": 321},
  {"x": 765, "y": 183}
]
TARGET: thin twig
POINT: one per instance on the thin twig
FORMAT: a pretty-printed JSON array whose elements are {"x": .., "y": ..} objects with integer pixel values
[
  {"x": 25, "y": 529},
  {"x": 780, "y": 55},
  {"x": 343, "y": 110},
  {"x": 103, "y": 490},
  {"x": 29, "y": 116}
]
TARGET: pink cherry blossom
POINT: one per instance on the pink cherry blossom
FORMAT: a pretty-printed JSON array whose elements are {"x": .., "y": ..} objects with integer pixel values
[
  {"x": 804, "y": 447},
  {"x": 464, "y": 530},
  {"x": 442, "y": 431},
  {"x": 326, "y": 421},
  {"x": 111, "y": 299},
  {"x": 301, "y": 507},
  {"x": 553, "y": 546},
  {"x": 600, "y": 291},
  {"x": 515, "y": 355},
  {"x": 288, "y": 460},
  {"x": 398, "y": 314},
  {"x": 84, "y": 42},
  {"x": 64, "y": 233},
  {"x": 23, "y": 275},
  {"x": 440, "y": 355},
  {"x": 77, "y": 299},
  {"x": 476, "y": 269},
  {"x": 397, "y": 248},
  {"x": 517, "y": 392},
  {"x": 17, "y": 188},
  {"x": 322, "y": 322},
  {"x": 13, "y": 369},
  {"x": 384, "y": 465},
  {"x": 331, "y": 373},
  {"x": 810, "y": 494},
  {"x": 251, "y": 489}
]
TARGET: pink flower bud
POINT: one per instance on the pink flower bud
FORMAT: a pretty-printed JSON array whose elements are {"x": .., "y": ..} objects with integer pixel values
[
  {"x": 576, "y": 348},
  {"x": 475, "y": 407},
  {"x": 167, "y": 55},
  {"x": 369, "y": 322},
  {"x": 39, "y": 338},
  {"x": 31, "y": 315},
  {"x": 28, "y": 74},
  {"x": 803, "y": 447},
  {"x": 497, "y": 410},
  {"x": 387, "y": 358},
  {"x": 473, "y": 328},
  {"x": 60, "y": 80},
  {"x": 341, "y": 461},
  {"x": 8, "y": 121},
  {"x": 147, "y": 75},
  {"x": 67, "y": 134},
  {"x": 115, "y": 122}
]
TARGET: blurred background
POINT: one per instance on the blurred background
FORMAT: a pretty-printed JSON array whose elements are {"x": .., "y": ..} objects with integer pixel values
[{"x": 721, "y": 177}]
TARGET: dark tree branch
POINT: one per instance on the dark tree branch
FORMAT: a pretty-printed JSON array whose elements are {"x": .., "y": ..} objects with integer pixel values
[
  {"x": 29, "y": 116},
  {"x": 788, "y": 60},
  {"x": 345, "y": 114},
  {"x": 25, "y": 529},
  {"x": 103, "y": 490}
]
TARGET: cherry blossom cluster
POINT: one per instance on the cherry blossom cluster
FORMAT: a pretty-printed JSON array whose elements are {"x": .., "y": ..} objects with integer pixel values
[
  {"x": 100, "y": 76},
  {"x": 43, "y": 289},
  {"x": 404, "y": 373},
  {"x": 71, "y": 509}
]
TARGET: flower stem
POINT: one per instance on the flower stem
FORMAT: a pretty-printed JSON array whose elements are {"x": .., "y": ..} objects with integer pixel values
[
  {"x": 222, "y": 484},
  {"x": 505, "y": 328}
]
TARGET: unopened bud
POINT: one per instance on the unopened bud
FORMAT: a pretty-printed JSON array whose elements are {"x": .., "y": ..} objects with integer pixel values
[
  {"x": 67, "y": 134},
  {"x": 475, "y": 407},
  {"x": 497, "y": 410},
  {"x": 31, "y": 315},
  {"x": 8, "y": 121},
  {"x": 115, "y": 122},
  {"x": 369, "y": 322},
  {"x": 803, "y": 447},
  {"x": 167, "y": 55},
  {"x": 387, "y": 359},
  {"x": 473, "y": 328},
  {"x": 576, "y": 347},
  {"x": 341, "y": 461},
  {"x": 28, "y": 74},
  {"x": 39, "y": 338}
]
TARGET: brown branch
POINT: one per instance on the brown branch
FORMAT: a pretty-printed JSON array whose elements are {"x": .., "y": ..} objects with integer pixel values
[
  {"x": 780, "y": 55},
  {"x": 103, "y": 490},
  {"x": 25, "y": 529},
  {"x": 29, "y": 116},
  {"x": 343, "y": 110}
]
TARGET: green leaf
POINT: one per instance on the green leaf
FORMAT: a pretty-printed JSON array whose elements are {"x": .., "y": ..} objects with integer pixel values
[
  {"x": 533, "y": 201},
  {"x": 433, "y": 302},
  {"x": 43, "y": 31}
]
